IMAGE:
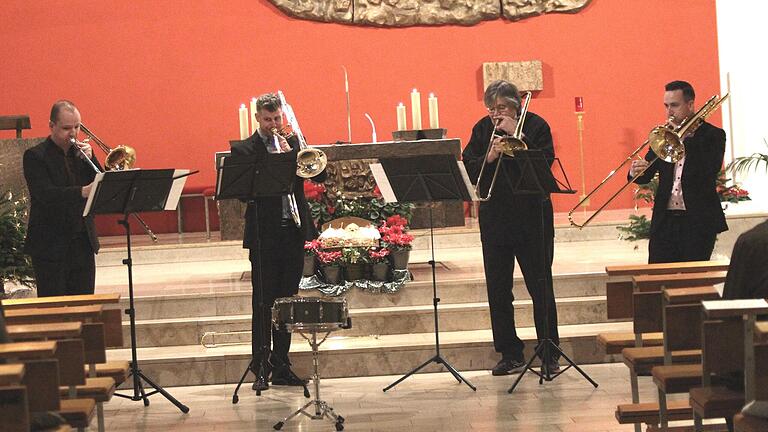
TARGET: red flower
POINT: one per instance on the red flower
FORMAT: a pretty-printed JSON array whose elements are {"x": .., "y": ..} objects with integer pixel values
[
  {"x": 329, "y": 258},
  {"x": 313, "y": 191},
  {"x": 311, "y": 247}
]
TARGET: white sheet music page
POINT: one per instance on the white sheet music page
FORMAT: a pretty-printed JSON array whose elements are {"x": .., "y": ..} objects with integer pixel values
[
  {"x": 467, "y": 181},
  {"x": 94, "y": 187},
  {"x": 176, "y": 188},
  {"x": 382, "y": 181}
]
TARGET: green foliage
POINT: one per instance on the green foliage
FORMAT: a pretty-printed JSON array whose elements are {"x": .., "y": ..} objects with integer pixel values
[
  {"x": 15, "y": 265},
  {"x": 354, "y": 255},
  {"x": 639, "y": 228},
  {"x": 746, "y": 163}
]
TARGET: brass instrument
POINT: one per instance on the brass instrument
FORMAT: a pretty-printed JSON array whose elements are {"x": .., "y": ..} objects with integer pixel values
[
  {"x": 510, "y": 144},
  {"x": 310, "y": 161},
  {"x": 666, "y": 142},
  {"x": 285, "y": 133},
  {"x": 118, "y": 159}
]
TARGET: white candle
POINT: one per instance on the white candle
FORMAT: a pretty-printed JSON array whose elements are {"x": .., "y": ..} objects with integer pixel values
[
  {"x": 243, "y": 121},
  {"x": 254, "y": 122},
  {"x": 401, "y": 117},
  {"x": 434, "y": 118},
  {"x": 416, "y": 109}
]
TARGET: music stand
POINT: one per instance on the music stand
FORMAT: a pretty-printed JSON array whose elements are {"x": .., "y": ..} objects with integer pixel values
[
  {"x": 530, "y": 172},
  {"x": 134, "y": 191},
  {"x": 426, "y": 178},
  {"x": 248, "y": 177}
]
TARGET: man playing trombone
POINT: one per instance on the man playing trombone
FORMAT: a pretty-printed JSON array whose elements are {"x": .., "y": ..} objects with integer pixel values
[
  {"x": 60, "y": 241},
  {"x": 275, "y": 231},
  {"x": 511, "y": 224},
  {"x": 687, "y": 215}
]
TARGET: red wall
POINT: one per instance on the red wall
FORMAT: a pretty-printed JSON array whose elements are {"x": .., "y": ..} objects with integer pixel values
[{"x": 167, "y": 77}]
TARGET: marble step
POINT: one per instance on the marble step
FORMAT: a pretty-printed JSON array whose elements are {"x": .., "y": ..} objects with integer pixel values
[
  {"x": 364, "y": 356},
  {"x": 365, "y": 322},
  {"x": 414, "y": 293},
  {"x": 233, "y": 249}
]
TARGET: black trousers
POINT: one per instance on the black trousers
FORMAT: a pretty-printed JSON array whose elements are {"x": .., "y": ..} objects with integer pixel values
[
  {"x": 499, "y": 263},
  {"x": 72, "y": 274},
  {"x": 280, "y": 277},
  {"x": 678, "y": 240}
]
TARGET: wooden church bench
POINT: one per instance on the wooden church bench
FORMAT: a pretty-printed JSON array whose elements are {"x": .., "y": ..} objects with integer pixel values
[
  {"x": 61, "y": 301},
  {"x": 682, "y": 280},
  {"x": 619, "y": 286}
]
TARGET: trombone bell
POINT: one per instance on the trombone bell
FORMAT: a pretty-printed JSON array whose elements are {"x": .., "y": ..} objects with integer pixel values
[{"x": 666, "y": 144}]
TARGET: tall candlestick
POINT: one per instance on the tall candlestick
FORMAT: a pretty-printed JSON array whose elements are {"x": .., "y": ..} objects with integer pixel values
[
  {"x": 401, "y": 125},
  {"x": 243, "y": 121},
  {"x": 416, "y": 109},
  {"x": 434, "y": 118},
  {"x": 254, "y": 122}
]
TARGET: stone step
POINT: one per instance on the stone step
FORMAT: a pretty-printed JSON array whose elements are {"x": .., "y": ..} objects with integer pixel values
[
  {"x": 414, "y": 293},
  {"x": 363, "y": 356},
  {"x": 224, "y": 330}
]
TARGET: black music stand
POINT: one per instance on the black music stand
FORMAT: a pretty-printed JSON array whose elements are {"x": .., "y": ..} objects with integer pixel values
[
  {"x": 428, "y": 178},
  {"x": 134, "y": 191},
  {"x": 247, "y": 177},
  {"x": 530, "y": 172}
]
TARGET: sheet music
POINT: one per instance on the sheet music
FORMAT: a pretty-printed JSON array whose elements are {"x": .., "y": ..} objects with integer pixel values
[
  {"x": 467, "y": 181},
  {"x": 94, "y": 188},
  {"x": 383, "y": 182},
  {"x": 176, "y": 188}
]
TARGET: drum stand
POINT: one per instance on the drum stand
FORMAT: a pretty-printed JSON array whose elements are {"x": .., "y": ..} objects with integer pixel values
[{"x": 322, "y": 409}]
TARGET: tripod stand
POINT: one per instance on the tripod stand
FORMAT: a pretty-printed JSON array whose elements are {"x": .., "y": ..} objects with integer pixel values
[
  {"x": 427, "y": 178},
  {"x": 536, "y": 178},
  {"x": 126, "y": 192},
  {"x": 437, "y": 358},
  {"x": 138, "y": 376}
]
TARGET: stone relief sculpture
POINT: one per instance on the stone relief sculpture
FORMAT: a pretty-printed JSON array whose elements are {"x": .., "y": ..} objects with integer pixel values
[{"x": 404, "y": 13}]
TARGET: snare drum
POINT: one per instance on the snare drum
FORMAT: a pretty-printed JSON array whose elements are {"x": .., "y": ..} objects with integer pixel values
[{"x": 309, "y": 313}]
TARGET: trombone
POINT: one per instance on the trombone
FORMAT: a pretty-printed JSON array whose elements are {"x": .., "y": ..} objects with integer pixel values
[
  {"x": 666, "y": 142},
  {"x": 118, "y": 159},
  {"x": 510, "y": 144}
]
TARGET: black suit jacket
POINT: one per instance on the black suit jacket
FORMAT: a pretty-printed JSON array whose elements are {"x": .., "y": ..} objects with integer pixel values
[
  {"x": 703, "y": 161},
  {"x": 268, "y": 211},
  {"x": 507, "y": 216},
  {"x": 54, "y": 201}
]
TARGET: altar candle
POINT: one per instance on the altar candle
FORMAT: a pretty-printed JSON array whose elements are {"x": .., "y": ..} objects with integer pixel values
[
  {"x": 434, "y": 118},
  {"x": 401, "y": 117},
  {"x": 243, "y": 121},
  {"x": 416, "y": 109},
  {"x": 579, "y": 101},
  {"x": 254, "y": 122}
]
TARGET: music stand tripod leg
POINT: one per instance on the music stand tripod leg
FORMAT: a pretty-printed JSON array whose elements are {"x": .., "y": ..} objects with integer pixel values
[{"x": 138, "y": 376}]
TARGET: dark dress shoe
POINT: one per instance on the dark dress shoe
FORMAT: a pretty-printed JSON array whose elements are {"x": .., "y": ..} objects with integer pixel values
[
  {"x": 261, "y": 384},
  {"x": 288, "y": 379},
  {"x": 507, "y": 367}
]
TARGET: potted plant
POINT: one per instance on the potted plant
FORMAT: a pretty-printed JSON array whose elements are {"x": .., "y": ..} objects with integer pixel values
[
  {"x": 354, "y": 263},
  {"x": 330, "y": 264},
  {"x": 395, "y": 238},
  {"x": 310, "y": 252},
  {"x": 15, "y": 265},
  {"x": 379, "y": 263}
]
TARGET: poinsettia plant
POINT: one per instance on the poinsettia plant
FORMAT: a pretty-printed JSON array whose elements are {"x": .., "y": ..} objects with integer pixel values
[
  {"x": 732, "y": 193},
  {"x": 311, "y": 247},
  {"x": 329, "y": 258},
  {"x": 393, "y": 235},
  {"x": 378, "y": 255}
]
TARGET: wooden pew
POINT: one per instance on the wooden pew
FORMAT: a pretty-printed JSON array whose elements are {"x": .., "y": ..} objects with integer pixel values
[
  {"x": 644, "y": 283},
  {"x": 757, "y": 389},
  {"x": 14, "y": 408},
  {"x": 61, "y": 301},
  {"x": 641, "y": 360},
  {"x": 619, "y": 286}
]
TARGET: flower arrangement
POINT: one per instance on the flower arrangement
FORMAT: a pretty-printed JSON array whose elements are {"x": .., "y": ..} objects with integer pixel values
[
  {"x": 378, "y": 255},
  {"x": 311, "y": 247},
  {"x": 393, "y": 235},
  {"x": 353, "y": 255},
  {"x": 329, "y": 258},
  {"x": 325, "y": 207},
  {"x": 730, "y": 193}
]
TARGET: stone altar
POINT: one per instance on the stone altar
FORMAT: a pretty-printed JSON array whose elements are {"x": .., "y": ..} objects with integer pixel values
[{"x": 348, "y": 172}]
